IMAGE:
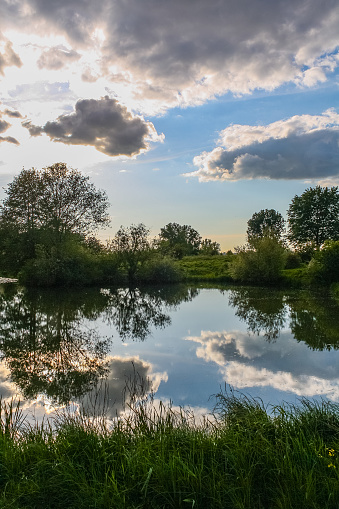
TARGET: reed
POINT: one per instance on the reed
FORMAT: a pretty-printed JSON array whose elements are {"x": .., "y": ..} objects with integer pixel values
[{"x": 245, "y": 455}]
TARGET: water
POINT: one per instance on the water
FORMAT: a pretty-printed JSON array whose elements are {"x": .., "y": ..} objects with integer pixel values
[{"x": 81, "y": 348}]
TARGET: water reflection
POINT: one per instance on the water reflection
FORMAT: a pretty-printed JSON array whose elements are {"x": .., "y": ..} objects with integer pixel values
[
  {"x": 263, "y": 310},
  {"x": 311, "y": 315},
  {"x": 45, "y": 346},
  {"x": 51, "y": 345}
]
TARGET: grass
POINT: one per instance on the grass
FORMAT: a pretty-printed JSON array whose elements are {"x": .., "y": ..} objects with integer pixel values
[
  {"x": 205, "y": 268},
  {"x": 246, "y": 456}
]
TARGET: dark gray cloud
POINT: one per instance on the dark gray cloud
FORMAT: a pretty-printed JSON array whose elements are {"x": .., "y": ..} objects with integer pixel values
[
  {"x": 8, "y": 57},
  {"x": 12, "y": 113},
  {"x": 3, "y": 125},
  {"x": 104, "y": 124},
  {"x": 9, "y": 139},
  {"x": 57, "y": 57},
  {"x": 303, "y": 147}
]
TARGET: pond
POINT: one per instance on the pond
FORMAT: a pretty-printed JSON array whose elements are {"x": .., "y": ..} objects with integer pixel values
[{"x": 90, "y": 348}]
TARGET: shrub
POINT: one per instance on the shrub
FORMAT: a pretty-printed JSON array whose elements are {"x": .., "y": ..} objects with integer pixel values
[
  {"x": 324, "y": 267},
  {"x": 160, "y": 270},
  {"x": 263, "y": 264}
]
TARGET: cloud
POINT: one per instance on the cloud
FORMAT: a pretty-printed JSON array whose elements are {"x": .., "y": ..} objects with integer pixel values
[
  {"x": 8, "y": 57},
  {"x": 9, "y": 139},
  {"x": 247, "y": 361},
  {"x": 12, "y": 114},
  {"x": 57, "y": 57},
  {"x": 301, "y": 147},
  {"x": 186, "y": 52},
  {"x": 104, "y": 124},
  {"x": 4, "y": 125},
  {"x": 129, "y": 377}
]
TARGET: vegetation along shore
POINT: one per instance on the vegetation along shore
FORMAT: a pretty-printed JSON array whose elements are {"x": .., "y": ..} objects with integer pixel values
[
  {"x": 49, "y": 219},
  {"x": 243, "y": 456}
]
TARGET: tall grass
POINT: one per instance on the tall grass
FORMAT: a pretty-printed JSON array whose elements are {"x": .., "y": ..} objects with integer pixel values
[{"x": 245, "y": 455}]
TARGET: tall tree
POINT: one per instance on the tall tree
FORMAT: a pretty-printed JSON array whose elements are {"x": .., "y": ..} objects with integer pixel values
[
  {"x": 313, "y": 217},
  {"x": 179, "y": 240},
  {"x": 266, "y": 222},
  {"x": 132, "y": 246},
  {"x": 57, "y": 198},
  {"x": 43, "y": 207}
]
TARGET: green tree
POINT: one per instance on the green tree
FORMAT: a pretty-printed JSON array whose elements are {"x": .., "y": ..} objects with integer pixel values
[
  {"x": 132, "y": 246},
  {"x": 179, "y": 240},
  {"x": 57, "y": 198},
  {"x": 313, "y": 217},
  {"x": 266, "y": 222},
  {"x": 41, "y": 207},
  {"x": 208, "y": 247}
]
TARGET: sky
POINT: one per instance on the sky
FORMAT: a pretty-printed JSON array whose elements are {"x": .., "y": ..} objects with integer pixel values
[{"x": 190, "y": 111}]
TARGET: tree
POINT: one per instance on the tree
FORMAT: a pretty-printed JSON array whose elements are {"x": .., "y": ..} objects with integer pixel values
[
  {"x": 208, "y": 247},
  {"x": 266, "y": 222},
  {"x": 313, "y": 217},
  {"x": 44, "y": 206},
  {"x": 57, "y": 198},
  {"x": 132, "y": 246},
  {"x": 179, "y": 240}
]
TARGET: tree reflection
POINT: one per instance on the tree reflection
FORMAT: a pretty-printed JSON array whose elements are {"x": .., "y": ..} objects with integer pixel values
[
  {"x": 134, "y": 311},
  {"x": 46, "y": 345},
  {"x": 313, "y": 315},
  {"x": 48, "y": 342},
  {"x": 314, "y": 320},
  {"x": 263, "y": 310}
]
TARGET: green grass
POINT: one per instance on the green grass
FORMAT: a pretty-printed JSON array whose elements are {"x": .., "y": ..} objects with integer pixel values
[
  {"x": 205, "y": 268},
  {"x": 247, "y": 456}
]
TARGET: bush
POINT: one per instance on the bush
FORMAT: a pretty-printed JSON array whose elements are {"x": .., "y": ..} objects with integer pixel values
[
  {"x": 160, "y": 270},
  {"x": 324, "y": 267},
  {"x": 263, "y": 264}
]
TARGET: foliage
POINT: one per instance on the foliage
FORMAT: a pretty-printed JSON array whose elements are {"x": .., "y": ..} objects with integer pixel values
[
  {"x": 42, "y": 211},
  {"x": 209, "y": 248},
  {"x": 324, "y": 267},
  {"x": 265, "y": 223},
  {"x": 178, "y": 240},
  {"x": 313, "y": 217},
  {"x": 57, "y": 198},
  {"x": 158, "y": 269},
  {"x": 132, "y": 247},
  {"x": 159, "y": 457},
  {"x": 263, "y": 264}
]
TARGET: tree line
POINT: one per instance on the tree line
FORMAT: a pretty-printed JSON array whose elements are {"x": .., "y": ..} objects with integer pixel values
[
  {"x": 49, "y": 219},
  {"x": 48, "y": 224}
]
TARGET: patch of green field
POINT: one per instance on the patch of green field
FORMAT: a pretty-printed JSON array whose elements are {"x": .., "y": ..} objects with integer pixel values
[{"x": 205, "y": 268}]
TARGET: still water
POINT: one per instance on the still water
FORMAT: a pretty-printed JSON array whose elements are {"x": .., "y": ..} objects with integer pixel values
[{"x": 80, "y": 349}]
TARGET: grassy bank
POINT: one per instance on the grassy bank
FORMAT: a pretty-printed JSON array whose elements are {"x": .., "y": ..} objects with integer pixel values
[
  {"x": 249, "y": 457},
  {"x": 205, "y": 268}
]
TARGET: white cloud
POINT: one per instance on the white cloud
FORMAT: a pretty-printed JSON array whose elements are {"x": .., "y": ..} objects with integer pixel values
[
  {"x": 301, "y": 147},
  {"x": 184, "y": 52},
  {"x": 248, "y": 361}
]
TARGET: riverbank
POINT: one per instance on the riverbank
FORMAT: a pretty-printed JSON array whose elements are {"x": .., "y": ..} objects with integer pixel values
[{"x": 246, "y": 457}]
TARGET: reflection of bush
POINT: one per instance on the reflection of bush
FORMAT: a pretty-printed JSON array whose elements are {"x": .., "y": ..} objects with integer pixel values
[
  {"x": 263, "y": 264},
  {"x": 264, "y": 311}
]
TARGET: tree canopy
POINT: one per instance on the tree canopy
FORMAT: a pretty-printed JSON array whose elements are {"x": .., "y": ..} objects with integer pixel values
[
  {"x": 313, "y": 217},
  {"x": 57, "y": 198},
  {"x": 179, "y": 240},
  {"x": 266, "y": 222}
]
